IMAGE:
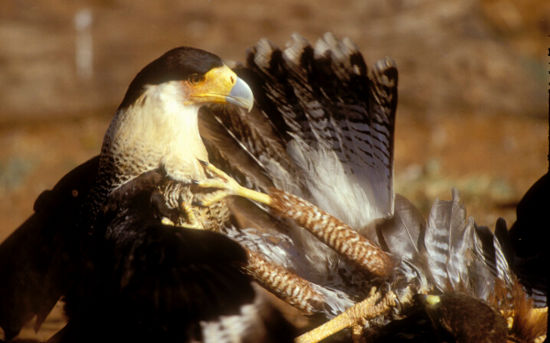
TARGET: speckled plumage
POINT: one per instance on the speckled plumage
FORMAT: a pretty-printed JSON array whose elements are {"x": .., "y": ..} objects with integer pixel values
[
  {"x": 321, "y": 123},
  {"x": 322, "y": 130},
  {"x": 336, "y": 234}
]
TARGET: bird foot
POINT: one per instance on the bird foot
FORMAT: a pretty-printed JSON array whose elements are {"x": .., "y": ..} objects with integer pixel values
[
  {"x": 227, "y": 186},
  {"x": 167, "y": 221},
  {"x": 195, "y": 226},
  {"x": 354, "y": 317},
  {"x": 191, "y": 223}
]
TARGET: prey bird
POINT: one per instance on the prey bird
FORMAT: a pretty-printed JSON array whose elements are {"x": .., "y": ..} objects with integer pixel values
[
  {"x": 318, "y": 224},
  {"x": 322, "y": 131}
]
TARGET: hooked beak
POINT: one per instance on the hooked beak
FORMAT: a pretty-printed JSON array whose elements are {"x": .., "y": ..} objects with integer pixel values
[
  {"x": 241, "y": 95},
  {"x": 220, "y": 85}
]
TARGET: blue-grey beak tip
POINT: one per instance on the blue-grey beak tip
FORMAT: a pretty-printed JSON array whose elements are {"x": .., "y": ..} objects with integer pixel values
[{"x": 241, "y": 95}]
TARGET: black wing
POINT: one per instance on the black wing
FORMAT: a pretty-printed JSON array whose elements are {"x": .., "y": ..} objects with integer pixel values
[
  {"x": 143, "y": 281},
  {"x": 134, "y": 279},
  {"x": 38, "y": 260},
  {"x": 528, "y": 239}
]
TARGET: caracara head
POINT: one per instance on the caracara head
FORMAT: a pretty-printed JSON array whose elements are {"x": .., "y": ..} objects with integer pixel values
[
  {"x": 156, "y": 125},
  {"x": 202, "y": 77}
]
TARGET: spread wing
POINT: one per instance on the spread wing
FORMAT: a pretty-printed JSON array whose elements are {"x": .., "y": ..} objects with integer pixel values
[
  {"x": 185, "y": 283},
  {"x": 322, "y": 127},
  {"x": 167, "y": 278},
  {"x": 38, "y": 260}
]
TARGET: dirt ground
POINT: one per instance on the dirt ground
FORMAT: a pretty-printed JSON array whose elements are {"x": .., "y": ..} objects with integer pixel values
[{"x": 473, "y": 86}]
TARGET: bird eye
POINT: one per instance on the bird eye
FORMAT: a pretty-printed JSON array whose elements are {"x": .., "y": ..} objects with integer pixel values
[
  {"x": 195, "y": 77},
  {"x": 232, "y": 79}
]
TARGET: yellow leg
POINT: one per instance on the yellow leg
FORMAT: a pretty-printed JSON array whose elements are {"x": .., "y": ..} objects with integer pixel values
[
  {"x": 353, "y": 317},
  {"x": 227, "y": 186},
  {"x": 357, "y": 333},
  {"x": 192, "y": 222},
  {"x": 167, "y": 221}
]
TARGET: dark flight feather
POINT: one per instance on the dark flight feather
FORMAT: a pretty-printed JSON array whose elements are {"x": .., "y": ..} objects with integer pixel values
[
  {"x": 38, "y": 260},
  {"x": 151, "y": 282},
  {"x": 346, "y": 113},
  {"x": 322, "y": 128}
]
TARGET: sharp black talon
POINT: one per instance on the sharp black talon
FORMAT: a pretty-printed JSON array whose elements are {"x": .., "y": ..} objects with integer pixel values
[
  {"x": 204, "y": 163},
  {"x": 198, "y": 203},
  {"x": 195, "y": 182}
]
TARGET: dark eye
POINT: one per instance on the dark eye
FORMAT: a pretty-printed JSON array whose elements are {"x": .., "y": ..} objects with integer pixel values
[{"x": 195, "y": 77}]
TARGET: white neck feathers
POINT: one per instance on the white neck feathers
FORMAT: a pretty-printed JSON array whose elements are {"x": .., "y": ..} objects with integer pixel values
[{"x": 158, "y": 130}]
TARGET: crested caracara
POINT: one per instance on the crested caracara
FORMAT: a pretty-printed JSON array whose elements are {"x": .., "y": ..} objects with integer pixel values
[
  {"x": 98, "y": 241},
  {"x": 321, "y": 133}
]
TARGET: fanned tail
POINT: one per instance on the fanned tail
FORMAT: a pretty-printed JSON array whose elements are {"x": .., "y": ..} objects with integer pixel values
[
  {"x": 322, "y": 129},
  {"x": 321, "y": 126}
]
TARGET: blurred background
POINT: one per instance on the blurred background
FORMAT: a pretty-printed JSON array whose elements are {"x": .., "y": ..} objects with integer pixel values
[{"x": 473, "y": 94}]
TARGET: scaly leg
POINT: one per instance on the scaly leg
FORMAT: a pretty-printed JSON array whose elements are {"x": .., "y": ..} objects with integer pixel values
[
  {"x": 333, "y": 232},
  {"x": 286, "y": 285},
  {"x": 354, "y": 317},
  {"x": 227, "y": 186},
  {"x": 192, "y": 222}
]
